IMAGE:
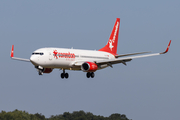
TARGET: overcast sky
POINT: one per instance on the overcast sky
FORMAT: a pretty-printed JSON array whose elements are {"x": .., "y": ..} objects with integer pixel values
[{"x": 145, "y": 89}]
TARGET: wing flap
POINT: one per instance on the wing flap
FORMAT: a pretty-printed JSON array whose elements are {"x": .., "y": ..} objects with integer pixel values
[
  {"x": 124, "y": 59},
  {"x": 117, "y": 56},
  {"x": 115, "y": 61}
]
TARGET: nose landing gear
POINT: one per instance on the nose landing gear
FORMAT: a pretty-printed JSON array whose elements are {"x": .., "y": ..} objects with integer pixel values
[{"x": 40, "y": 72}]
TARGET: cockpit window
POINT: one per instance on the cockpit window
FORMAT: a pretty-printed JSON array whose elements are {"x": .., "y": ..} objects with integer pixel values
[{"x": 37, "y": 53}]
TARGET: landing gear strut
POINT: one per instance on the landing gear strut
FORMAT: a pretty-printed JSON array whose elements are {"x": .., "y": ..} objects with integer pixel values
[
  {"x": 90, "y": 74},
  {"x": 40, "y": 72},
  {"x": 39, "y": 69},
  {"x": 64, "y": 75}
]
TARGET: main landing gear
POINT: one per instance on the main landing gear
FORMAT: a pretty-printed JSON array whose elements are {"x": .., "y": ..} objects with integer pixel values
[
  {"x": 90, "y": 74},
  {"x": 64, "y": 75}
]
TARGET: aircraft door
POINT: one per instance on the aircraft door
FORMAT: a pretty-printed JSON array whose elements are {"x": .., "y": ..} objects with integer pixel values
[{"x": 50, "y": 55}]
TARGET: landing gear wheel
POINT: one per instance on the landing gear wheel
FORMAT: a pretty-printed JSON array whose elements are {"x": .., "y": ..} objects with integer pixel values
[
  {"x": 92, "y": 75},
  {"x": 88, "y": 74},
  {"x": 62, "y": 75},
  {"x": 40, "y": 72},
  {"x": 66, "y": 75}
]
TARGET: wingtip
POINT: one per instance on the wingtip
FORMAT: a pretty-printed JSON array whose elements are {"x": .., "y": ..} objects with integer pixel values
[
  {"x": 12, "y": 51},
  {"x": 167, "y": 49}
]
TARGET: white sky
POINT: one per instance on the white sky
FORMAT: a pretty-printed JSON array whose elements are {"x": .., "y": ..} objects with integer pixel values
[{"x": 147, "y": 88}]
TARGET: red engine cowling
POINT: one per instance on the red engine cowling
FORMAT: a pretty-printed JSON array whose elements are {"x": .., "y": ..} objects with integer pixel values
[
  {"x": 89, "y": 67},
  {"x": 47, "y": 70}
]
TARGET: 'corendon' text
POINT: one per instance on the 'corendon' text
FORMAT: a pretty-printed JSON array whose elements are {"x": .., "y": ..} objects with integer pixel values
[
  {"x": 63, "y": 55},
  {"x": 111, "y": 41}
]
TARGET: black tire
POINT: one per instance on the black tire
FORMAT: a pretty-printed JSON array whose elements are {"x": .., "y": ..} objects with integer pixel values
[
  {"x": 88, "y": 74},
  {"x": 62, "y": 75},
  {"x": 40, "y": 72},
  {"x": 92, "y": 75},
  {"x": 66, "y": 75}
]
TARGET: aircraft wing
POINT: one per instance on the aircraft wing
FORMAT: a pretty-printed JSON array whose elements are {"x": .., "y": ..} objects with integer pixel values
[
  {"x": 117, "y": 56},
  {"x": 123, "y": 59},
  {"x": 127, "y": 59},
  {"x": 15, "y": 58}
]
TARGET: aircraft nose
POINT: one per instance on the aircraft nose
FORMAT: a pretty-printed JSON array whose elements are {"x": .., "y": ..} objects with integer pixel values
[{"x": 33, "y": 59}]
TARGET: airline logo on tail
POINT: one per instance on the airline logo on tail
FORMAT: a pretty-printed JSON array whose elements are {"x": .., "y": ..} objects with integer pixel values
[
  {"x": 111, "y": 41},
  {"x": 111, "y": 46}
]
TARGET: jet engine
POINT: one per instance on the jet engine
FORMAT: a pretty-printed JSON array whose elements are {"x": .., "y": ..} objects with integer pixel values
[{"x": 89, "y": 67}]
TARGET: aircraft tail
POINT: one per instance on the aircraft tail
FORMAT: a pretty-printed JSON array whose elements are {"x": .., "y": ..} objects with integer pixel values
[{"x": 111, "y": 46}]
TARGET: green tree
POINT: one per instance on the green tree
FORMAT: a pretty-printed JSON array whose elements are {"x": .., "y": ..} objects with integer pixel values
[
  {"x": 76, "y": 115},
  {"x": 40, "y": 116}
]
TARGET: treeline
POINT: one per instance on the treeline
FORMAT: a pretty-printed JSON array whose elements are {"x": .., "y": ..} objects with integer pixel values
[{"x": 76, "y": 115}]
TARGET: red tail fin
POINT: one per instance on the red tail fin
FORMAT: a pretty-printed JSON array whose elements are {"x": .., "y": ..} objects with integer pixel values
[{"x": 111, "y": 46}]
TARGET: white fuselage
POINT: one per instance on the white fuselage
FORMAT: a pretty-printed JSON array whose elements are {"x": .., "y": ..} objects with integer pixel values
[{"x": 67, "y": 58}]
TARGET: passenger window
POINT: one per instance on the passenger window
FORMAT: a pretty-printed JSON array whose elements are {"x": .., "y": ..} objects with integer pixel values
[{"x": 37, "y": 53}]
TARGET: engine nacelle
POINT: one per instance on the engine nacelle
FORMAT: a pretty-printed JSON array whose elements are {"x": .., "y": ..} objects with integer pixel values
[
  {"x": 47, "y": 70},
  {"x": 89, "y": 67}
]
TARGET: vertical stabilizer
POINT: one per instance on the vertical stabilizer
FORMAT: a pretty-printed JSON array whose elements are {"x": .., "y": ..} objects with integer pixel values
[{"x": 111, "y": 46}]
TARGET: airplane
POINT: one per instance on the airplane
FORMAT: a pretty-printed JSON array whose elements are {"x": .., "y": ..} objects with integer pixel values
[{"x": 89, "y": 61}]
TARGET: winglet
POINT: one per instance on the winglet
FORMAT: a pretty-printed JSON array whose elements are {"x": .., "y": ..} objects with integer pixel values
[
  {"x": 12, "y": 51},
  {"x": 167, "y": 48}
]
